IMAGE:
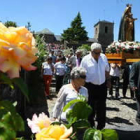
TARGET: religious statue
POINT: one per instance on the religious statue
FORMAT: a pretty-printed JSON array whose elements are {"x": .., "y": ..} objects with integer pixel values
[{"x": 126, "y": 30}]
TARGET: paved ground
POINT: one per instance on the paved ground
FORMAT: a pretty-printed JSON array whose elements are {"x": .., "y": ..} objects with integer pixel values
[
  {"x": 120, "y": 115},
  {"x": 120, "y": 112}
]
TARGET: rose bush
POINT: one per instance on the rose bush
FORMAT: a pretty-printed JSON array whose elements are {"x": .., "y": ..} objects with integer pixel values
[
  {"x": 17, "y": 49},
  {"x": 77, "y": 126}
]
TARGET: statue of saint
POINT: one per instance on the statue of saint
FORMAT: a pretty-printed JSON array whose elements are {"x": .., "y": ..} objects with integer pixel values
[{"x": 126, "y": 30}]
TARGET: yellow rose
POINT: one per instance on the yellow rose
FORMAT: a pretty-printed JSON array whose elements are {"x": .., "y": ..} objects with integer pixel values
[
  {"x": 17, "y": 49},
  {"x": 54, "y": 132}
]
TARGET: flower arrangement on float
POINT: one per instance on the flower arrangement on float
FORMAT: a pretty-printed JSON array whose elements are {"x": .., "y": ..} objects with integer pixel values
[
  {"x": 76, "y": 128},
  {"x": 127, "y": 46}
]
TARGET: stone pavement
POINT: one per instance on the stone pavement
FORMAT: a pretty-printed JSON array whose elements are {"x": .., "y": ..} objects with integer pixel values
[{"x": 120, "y": 115}]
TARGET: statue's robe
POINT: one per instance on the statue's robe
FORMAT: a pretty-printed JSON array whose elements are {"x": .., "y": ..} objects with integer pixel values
[{"x": 123, "y": 28}]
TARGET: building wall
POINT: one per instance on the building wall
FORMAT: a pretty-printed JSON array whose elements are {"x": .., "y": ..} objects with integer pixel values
[
  {"x": 104, "y": 33},
  {"x": 48, "y": 38}
]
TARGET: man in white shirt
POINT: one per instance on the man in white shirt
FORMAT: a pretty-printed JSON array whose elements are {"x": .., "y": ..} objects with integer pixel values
[{"x": 97, "y": 80}]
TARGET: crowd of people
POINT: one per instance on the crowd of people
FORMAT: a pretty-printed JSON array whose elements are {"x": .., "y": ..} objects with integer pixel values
[{"x": 91, "y": 76}]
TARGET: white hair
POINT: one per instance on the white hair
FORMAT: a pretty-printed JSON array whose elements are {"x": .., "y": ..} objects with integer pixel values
[
  {"x": 96, "y": 46},
  {"x": 78, "y": 51},
  {"x": 77, "y": 72}
]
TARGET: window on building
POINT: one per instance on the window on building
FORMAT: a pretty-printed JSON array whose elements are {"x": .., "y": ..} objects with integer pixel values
[{"x": 106, "y": 29}]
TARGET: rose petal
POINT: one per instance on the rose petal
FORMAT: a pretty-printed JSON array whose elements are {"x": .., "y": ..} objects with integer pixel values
[{"x": 67, "y": 133}]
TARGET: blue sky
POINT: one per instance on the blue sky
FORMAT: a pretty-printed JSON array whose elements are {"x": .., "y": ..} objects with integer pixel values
[{"x": 56, "y": 15}]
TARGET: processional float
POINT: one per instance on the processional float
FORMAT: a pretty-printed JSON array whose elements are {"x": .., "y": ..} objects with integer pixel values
[{"x": 125, "y": 50}]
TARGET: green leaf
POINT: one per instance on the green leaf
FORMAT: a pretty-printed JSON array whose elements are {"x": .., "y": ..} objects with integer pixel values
[
  {"x": 23, "y": 87},
  {"x": 109, "y": 134},
  {"x": 8, "y": 106},
  {"x": 80, "y": 124},
  {"x": 18, "y": 122},
  {"x": 7, "y": 121},
  {"x": 7, "y": 131},
  {"x": 17, "y": 81},
  {"x": 70, "y": 117},
  {"x": 92, "y": 134},
  {"x": 97, "y": 135},
  {"x": 2, "y": 112},
  {"x": 82, "y": 98},
  {"x": 15, "y": 103},
  {"x": 69, "y": 104},
  {"x": 21, "y": 138},
  {"x": 5, "y": 79},
  {"x": 89, "y": 133},
  {"x": 16, "y": 118},
  {"x": 80, "y": 110},
  {"x": 7, "y": 134},
  {"x": 56, "y": 123}
]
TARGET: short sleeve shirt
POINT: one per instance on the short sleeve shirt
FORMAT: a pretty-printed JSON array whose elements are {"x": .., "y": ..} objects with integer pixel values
[
  {"x": 60, "y": 68},
  {"x": 95, "y": 70},
  {"x": 47, "y": 69}
]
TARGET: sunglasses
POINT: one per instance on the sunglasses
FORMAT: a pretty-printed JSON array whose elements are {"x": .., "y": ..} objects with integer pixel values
[
  {"x": 97, "y": 53},
  {"x": 83, "y": 76}
]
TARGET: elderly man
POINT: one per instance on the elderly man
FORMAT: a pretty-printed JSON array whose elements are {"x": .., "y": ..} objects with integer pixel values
[
  {"x": 75, "y": 60},
  {"x": 78, "y": 57},
  {"x": 97, "y": 80}
]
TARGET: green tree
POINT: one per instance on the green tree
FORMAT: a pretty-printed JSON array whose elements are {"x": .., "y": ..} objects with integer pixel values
[
  {"x": 76, "y": 32},
  {"x": 85, "y": 48},
  {"x": 28, "y": 26},
  {"x": 42, "y": 52},
  {"x": 10, "y": 24}
]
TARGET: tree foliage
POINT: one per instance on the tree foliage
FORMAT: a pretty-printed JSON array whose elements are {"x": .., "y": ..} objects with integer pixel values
[
  {"x": 42, "y": 52},
  {"x": 85, "y": 48},
  {"x": 76, "y": 32},
  {"x": 10, "y": 24},
  {"x": 28, "y": 26}
]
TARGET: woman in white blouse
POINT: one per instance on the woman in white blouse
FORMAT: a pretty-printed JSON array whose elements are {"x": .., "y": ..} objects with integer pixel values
[
  {"x": 47, "y": 70},
  {"x": 70, "y": 92}
]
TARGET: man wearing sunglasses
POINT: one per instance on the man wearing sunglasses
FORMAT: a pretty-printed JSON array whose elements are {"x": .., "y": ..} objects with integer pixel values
[{"x": 97, "y": 77}]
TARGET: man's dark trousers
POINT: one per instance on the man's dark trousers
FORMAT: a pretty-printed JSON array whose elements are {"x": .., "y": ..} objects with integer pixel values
[
  {"x": 59, "y": 82},
  {"x": 97, "y": 100},
  {"x": 138, "y": 108}
]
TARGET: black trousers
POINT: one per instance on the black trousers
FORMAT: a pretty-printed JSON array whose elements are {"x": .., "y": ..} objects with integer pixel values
[
  {"x": 97, "y": 100},
  {"x": 138, "y": 106},
  {"x": 125, "y": 86},
  {"x": 59, "y": 82},
  {"x": 114, "y": 81}
]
